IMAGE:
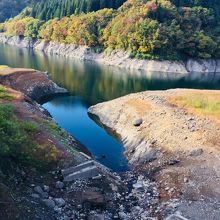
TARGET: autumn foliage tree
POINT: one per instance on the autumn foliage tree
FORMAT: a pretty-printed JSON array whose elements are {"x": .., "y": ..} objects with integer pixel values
[{"x": 147, "y": 29}]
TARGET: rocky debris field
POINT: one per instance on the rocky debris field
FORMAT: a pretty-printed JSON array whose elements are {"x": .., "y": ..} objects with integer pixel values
[
  {"x": 177, "y": 146},
  {"x": 136, "y": 197}
]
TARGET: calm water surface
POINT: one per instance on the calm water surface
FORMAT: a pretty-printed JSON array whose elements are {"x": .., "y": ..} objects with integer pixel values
[{"x": 90, "y": 83}]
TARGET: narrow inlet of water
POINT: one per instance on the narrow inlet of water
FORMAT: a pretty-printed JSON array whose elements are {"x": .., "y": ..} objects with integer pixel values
[{"x": 90, "y": 83}]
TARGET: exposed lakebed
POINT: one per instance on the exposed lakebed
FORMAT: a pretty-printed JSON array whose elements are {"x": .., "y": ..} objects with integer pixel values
[{"x": 90, "y": 83}]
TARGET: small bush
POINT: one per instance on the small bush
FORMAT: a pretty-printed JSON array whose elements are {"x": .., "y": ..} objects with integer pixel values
[
  {"x": 4, "y": 94},
  {"x": 29, "y": 127}
]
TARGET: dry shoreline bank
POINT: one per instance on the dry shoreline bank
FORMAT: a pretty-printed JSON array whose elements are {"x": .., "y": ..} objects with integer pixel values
[
  {"x": 116, "y": 58},
  {"x": 177, "y": 145}
]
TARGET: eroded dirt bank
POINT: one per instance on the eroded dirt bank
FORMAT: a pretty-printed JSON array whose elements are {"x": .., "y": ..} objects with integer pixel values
[
  {"x": 32, "y": 83},
  {"x": 49, "y": 147},
  {"x": 174, "y": 136}
]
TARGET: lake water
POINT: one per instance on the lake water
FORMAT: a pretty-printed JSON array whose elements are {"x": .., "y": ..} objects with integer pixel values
[{"x": 90, "y": 83}]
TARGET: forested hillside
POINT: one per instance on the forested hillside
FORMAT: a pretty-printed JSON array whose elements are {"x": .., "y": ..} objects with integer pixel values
[
  {"x": 60, "y": 8},
  {"x": 10, "y": 8},
  {"x": 148, "y": 29},
  {"x": 213, "y": 4}
]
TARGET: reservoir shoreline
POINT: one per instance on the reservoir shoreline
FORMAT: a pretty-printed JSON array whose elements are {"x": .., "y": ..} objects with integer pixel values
[{"x": 115, "y": 58}]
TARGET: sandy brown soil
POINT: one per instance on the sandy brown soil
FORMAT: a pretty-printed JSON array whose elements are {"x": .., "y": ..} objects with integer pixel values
[{"x": 180, "y": 148}]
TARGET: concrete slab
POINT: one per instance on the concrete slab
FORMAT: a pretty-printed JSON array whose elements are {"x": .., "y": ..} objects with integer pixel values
[
  {"x": 85, "y": 173},
  {"x": 77, "y": 168}
]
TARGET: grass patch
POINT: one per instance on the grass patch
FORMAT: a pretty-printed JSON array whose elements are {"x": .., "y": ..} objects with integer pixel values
[
  {"x": 62, "y": 137},
  {"x": 52, "y": 128},
  {"x": 206, "y": 104},
  {"x": 2, "y": 67},
  {"x": 18, "y": 143},
  {"x": 4, "y": 94},
  {"x": 29, "y": 127}
]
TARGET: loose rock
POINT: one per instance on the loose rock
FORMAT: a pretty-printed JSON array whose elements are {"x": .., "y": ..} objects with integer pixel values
[
  {"x": 59, "y": 185},
  {"x": 35, "y": 196},
  {"x": 173, "y": 161},
  {"x": 137, "y": 122},
  {"x": 40, "y": 191},
  {"x": 60, "y": 202},
  {"x": 46, "y": 188},
  {"x": 196, "y": 152},
  {"x": 49, "y": 203}
]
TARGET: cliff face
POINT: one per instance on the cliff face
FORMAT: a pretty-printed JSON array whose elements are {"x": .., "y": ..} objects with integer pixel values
[
  {"x": 17, "y": 41},
  {"x": 116, "y": 58}
]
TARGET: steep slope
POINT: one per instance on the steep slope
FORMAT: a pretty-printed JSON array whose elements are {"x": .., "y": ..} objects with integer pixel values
[{"x": 31, "y": 146}]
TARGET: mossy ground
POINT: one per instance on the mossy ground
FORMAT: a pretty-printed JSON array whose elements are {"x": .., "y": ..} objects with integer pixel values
[
  {"x": 19, "y": 144},
  {"x": 52, "y": 128}
]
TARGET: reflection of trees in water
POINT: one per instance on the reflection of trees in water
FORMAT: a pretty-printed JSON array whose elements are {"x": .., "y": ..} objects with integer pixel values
[
  {"x": 96, "y": 83},
  {"x": 69, "y": 102}
]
